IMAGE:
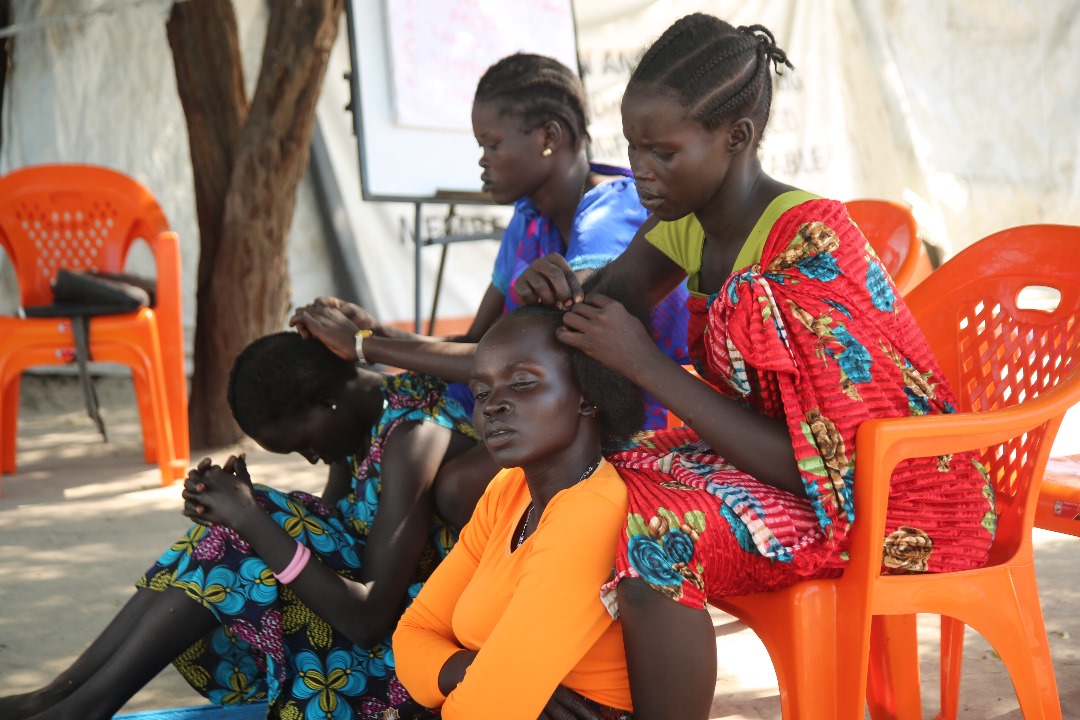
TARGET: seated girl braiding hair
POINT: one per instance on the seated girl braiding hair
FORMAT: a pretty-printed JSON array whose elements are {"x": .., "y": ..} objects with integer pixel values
[
  {"x": 510, "y": 625},
  {"x": 800, "y": 335},
  {"x": 529, "y": 118},
  {"x": 288, "y": 597}
]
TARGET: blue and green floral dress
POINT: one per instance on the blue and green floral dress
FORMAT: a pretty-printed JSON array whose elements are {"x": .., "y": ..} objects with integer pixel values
[{"x": 270, "y": 644}]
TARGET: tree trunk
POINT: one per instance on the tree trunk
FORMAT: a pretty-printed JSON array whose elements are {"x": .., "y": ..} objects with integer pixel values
[
  {"x": 210, "y": 81},
  {"x": 243, "y": 275}
]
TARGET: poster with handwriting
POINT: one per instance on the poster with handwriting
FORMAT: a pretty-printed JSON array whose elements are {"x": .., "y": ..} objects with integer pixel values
[{"x": 440, "y": 48}]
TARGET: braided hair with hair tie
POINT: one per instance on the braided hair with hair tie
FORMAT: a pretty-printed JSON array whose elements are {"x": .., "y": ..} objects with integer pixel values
[
  {"x": 714, "y": 68},
  {"x": 768, "y": 41}
]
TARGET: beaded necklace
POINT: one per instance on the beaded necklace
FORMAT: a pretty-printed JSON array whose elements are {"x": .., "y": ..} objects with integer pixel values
[{"x": 528, "y": 515}]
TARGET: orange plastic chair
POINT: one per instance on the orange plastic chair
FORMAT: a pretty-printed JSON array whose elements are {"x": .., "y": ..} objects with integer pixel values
[
  {"x": 1020, "y": 356},
  {"x": 892, "y": 231},
  {"x": 1016, "y": 372},
  {"x": 87, "y": 217}
]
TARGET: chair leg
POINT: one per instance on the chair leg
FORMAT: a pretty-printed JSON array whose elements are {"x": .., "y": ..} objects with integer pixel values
[
  {"x": 9, "y": 418},
  {"x": 799, "y": 646},
  {"x": 177, "y": 391},
  {"x": 146, "y": 415},
  {"x": 952, "y": 660},
  {"x": 893, "y": 670},
  {"x": 1017, "y": 633}
]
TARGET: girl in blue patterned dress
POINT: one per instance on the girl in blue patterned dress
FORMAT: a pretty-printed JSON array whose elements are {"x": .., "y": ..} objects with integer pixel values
[{"x": 287, "y": 596}]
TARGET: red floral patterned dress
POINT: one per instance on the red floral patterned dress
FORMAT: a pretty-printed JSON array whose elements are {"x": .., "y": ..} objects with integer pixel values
[{"x": 816, "y": 334}]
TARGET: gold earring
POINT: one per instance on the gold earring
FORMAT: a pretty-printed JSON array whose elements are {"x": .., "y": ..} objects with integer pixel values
[{"x": 546, "y": 152}]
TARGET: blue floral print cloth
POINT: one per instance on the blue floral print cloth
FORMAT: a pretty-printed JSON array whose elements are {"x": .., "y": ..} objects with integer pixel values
[{"x": 270, "y": 644}]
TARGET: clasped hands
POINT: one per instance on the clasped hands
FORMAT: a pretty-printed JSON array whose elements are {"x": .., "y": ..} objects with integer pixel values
[{"x": 219, "y": 495}]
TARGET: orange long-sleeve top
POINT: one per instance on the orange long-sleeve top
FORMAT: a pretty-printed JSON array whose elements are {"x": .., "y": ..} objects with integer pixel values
[{"x": 534, "y": 614}]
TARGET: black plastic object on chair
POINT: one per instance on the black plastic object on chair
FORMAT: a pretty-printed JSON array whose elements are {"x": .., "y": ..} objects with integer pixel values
[{"x": 81, "y": 295}]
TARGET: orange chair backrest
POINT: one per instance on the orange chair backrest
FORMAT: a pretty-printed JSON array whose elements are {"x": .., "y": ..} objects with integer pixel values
[
  {"x": 892, "y": 231},
  {"x": 73, "y": 217},
  {"x": 1003, "y": 319}
]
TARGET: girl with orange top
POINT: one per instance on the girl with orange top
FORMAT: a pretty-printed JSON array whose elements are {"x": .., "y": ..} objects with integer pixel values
[{"x": 515, "y": 603}]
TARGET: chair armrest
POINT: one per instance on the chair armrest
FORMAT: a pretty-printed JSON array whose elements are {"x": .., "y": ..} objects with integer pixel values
[{"x": 882, "y": 444}]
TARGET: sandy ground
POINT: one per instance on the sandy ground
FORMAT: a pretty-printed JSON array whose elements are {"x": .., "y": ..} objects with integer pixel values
[{"x": 81, "y": 520}]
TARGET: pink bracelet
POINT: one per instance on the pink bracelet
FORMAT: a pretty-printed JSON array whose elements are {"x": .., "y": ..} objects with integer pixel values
[{"x": 296, "y": 565}]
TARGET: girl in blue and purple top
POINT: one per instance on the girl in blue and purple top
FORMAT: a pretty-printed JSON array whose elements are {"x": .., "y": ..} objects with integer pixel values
[{"x": 529, "y": 117}]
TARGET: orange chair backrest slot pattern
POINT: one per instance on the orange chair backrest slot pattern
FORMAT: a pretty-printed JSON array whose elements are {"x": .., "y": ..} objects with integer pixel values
[
  {"x": 92, "y": 228},
  {"x": 997, "y": 347}
]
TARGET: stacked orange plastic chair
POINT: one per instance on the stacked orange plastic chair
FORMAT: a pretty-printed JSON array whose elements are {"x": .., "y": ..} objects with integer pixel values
[
  {"x": 83, "y": 217},
  {"x": 892, "y": 231},
  {"x": 1016, "y": 372}
]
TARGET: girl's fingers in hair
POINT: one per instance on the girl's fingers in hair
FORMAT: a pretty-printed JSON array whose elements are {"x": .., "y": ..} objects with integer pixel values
[{"x": 548, "y": 280}]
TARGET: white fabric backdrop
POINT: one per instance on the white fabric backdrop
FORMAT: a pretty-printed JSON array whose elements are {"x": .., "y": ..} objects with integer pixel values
[{"x": 965, "y": 109}]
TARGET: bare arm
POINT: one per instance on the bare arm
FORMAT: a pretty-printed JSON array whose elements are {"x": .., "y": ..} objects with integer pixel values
[
  {"x": 641, "y": 269},
  {"x": 449, "y": 360},
  {"x": 758, "y": 445},
  {"x": 359, "y": 318},
  {"x": 363, "y": 611}
]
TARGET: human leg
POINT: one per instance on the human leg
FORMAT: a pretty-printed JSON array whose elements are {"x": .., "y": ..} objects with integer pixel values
[
  {"x": 113, "y": 670},
  {"x": 460, "y": 483},
  {"x": 126, "y": 626},
  {"x": 670, "y": 653}
]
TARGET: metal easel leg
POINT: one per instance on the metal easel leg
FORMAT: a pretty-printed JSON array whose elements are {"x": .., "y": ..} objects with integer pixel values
[
  {"x": 80, "y": 328},
  {"x": 439, "y": 276},
  {"x": 418, "y": 244}
]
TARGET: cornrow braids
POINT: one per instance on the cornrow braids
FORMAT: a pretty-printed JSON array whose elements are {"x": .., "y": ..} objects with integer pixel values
[
  {"x": 281, "y": 376},
  {"x": 718, "y": 71},
  {"x": 538, "y": 89}
]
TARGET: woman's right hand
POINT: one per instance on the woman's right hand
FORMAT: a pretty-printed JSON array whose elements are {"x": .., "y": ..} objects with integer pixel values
[
  {"x": 330, "y": 326},
  {"x": 360, "y": 318},
  {"x": 604, "y": 329},
  {"x": 550, "y": 281}
]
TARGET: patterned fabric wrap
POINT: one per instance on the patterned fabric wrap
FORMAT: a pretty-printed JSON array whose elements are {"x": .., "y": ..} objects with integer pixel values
[
  {"x": 816, "y": 334},
  {"x": 606, "y": 220},
  {"x": 270, "y": 644}
]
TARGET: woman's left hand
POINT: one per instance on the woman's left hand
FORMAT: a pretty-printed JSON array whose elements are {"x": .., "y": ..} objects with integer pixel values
[
  {"x": 604, "y": 330},
  {"x": 565, "y": 704},
  {"x": 219, "y": 495}
]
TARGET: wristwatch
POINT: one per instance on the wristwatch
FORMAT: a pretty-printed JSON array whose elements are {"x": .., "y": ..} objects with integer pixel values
[{"x": 360, "y": 335}]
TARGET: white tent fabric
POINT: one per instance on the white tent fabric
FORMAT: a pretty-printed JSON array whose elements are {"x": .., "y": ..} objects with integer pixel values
[{"x": 964, "y": 109}]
